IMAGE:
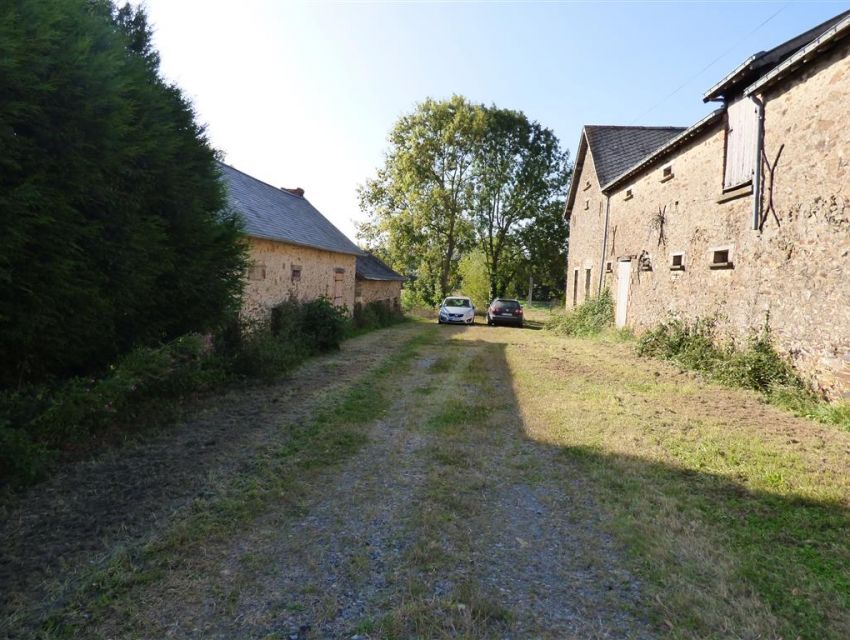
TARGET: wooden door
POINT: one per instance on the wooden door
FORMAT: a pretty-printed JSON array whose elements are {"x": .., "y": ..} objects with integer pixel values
[{"x": 338, "y": 288}]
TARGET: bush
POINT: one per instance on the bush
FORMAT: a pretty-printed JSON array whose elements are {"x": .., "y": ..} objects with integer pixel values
[
  {"x": 374, "y": 315},
  {"x": 322, "y": 324},
  {"x": 589, "y": 318},
  {"x": 38, "y": 421}
]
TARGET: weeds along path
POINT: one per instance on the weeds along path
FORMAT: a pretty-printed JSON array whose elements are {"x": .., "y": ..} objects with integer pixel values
[{"x": 96, "y": 513}]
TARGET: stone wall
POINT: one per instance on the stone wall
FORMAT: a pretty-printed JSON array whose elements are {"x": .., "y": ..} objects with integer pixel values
[
  {"x": 270, "y": 276},
  {"x": 367, "y": 291},
  {"x": 795, "y": 274},
  {"x": 586, "y": 228}
]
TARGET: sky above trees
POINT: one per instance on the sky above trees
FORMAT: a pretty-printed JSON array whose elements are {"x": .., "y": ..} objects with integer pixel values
[{"x": 305, "y": 94}]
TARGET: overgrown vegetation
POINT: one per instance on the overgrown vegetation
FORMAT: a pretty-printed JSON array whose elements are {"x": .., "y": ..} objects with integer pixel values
[
  {"x": 374, "y": 315},
  {"x": 114, "y": 233},
  {"x": 757, "y": 366},
  {"x": 588, "y": 319},
  {"x": 143, "y": 387}
]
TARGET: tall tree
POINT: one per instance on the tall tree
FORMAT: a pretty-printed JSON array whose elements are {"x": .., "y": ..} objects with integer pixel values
[
  {"x": 519, "y": 172},
  {"x": 113, "y": 230},
  {"x": 420, "y": 200}
]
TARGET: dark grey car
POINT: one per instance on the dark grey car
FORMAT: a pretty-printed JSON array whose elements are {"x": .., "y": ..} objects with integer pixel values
[{"x": 504, "y": 311}]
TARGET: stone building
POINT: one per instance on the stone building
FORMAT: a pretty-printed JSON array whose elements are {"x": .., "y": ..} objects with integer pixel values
[
  {"x": 294, "y": 250},
  {"x": 376, "y": 282},
  {"x": 743, "y": 216}
]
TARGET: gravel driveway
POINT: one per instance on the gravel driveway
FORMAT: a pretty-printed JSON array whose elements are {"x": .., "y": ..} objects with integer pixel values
[{"x": 448, "y": 521}]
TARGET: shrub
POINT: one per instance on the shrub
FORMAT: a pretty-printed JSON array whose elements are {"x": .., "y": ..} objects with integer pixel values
[
  {"x": 322, "y": 324},
  {"x": 262, "y": 354},
  {"x": 38, "y": 421},
  {"x": 589, "y": 318},
  {"x": 374, "y": 315}
]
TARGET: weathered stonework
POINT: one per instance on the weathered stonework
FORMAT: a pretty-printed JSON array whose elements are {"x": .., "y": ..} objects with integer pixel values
[
  {"x": 794, "y": 274},
  {"x": 586, "y": 230},
  {"x": 270, "y": 278},
  {"x": 367, "y": 291}
]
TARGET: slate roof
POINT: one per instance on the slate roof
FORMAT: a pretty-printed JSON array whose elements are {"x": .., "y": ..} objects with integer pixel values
[
  {"x": 275, "y": 214},
  {"x": 616, "y": 149},
  {"x": 370, "y": 267},
  {"x": 763, "y": 62}
]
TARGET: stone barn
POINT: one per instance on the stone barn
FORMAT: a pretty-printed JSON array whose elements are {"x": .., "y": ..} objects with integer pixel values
[
  {"x": 376, "y": 282},
  {"x": 294, "y": 250},
  {"x": 743, "y": 217}
]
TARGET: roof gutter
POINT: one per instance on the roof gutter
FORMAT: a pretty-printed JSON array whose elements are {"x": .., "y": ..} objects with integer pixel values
[
  {"x": 656, "y": 155},
  {"x": 716, "y": 92},
  {"x": 604, "y": 244},
  {"x": 258, "y": 236}
]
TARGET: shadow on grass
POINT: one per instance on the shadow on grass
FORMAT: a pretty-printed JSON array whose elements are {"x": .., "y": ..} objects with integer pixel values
[{"x": 705, "y": 543}]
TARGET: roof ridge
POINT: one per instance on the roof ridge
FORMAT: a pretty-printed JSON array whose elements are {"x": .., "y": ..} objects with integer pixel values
[
  {"x": 268, "y": 184},
  {"x": 626, "y": 126}
]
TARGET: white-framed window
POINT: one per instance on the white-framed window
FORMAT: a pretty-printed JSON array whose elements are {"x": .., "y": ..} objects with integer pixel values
[
  {"x": 721, "y": 257},
  {"x": 677, "y": 261}
]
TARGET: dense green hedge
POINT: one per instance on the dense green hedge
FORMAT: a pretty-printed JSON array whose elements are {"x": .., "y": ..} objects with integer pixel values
[{"x": 114, "y": 232}]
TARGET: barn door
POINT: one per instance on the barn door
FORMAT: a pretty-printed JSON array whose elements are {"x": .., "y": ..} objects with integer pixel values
[
  {"x": 338, "y": 275},
  {"x": 741, "y": 136},
  {"x": 624, "y": 278}
]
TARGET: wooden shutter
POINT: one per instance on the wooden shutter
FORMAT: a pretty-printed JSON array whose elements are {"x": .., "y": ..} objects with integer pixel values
[{"x": 741, "y": 132}]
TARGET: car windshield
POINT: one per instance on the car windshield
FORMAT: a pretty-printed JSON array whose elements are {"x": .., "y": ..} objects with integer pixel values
[
  {"x": 456, "y": 302},
  {"x": 506, "y": 304}
]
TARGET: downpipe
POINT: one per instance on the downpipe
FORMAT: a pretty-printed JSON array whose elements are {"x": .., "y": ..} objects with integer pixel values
[
  {"x": 758, "y": 167},
  {"x": 604, "y": 245}
]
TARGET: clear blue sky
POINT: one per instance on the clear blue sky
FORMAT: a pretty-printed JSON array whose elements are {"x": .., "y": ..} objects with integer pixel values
[{"x": 304, "y": 94}]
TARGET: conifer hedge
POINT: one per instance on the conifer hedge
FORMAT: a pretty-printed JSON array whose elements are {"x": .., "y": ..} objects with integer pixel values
[{"x": 113, "y": 227}]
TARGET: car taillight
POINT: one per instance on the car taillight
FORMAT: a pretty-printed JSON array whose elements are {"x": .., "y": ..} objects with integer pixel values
[{"x": 518, "y": 312}]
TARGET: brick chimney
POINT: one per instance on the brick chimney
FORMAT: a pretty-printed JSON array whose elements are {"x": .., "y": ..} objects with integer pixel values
[{"x": 297, "y": 191}]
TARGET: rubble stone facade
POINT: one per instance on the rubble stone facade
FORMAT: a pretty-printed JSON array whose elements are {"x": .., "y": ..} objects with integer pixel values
[
  {"x": 279, "y": 270},
  {"x": 794, "y": 274}
]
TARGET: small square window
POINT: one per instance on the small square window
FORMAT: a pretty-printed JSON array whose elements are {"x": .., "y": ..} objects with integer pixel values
[
  {"x": 587, "y": 205},
  {"x": 667, "y": 173},
  {"x": 721, "y": 258},
  {"x": 296, "y": 273},
  {"x": 609, "y": 267},
  {"x": 677, "y": 262},
  {"x": 629, "y": 195},
  {"x": 257, "y": 271}
]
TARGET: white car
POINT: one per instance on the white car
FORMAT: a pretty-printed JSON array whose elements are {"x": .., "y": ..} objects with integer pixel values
[{"x": 456, "y": 310}]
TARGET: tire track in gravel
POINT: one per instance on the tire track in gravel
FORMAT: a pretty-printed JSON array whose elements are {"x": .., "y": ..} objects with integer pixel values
[
  {"x": 320, "y": 572},
  {"x": 55, "y": 530},
  {"x": 530, "y": 546}
]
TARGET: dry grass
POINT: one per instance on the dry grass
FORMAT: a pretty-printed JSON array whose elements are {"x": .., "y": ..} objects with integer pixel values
[{"x": 735, "y": 511}]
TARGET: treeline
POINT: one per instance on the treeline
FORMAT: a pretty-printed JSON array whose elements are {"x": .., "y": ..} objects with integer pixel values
[
  {"x": 114, "y": 231},
  {"x": 470, "y": 197}
]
